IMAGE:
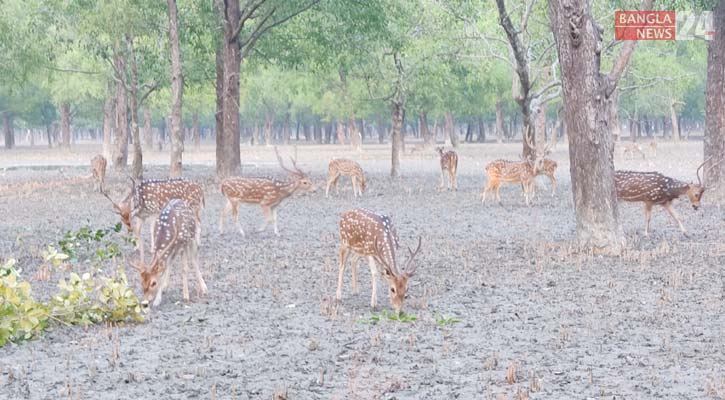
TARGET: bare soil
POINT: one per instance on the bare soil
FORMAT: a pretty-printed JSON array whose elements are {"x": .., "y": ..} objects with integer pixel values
[{"x": 537, "y": 319}]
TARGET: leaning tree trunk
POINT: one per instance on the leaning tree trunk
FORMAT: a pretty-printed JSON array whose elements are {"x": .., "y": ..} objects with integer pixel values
[
  {"x": 107, "y": 126},
  {"x": 137, "y": 165},
  {"x": 714, "y": 150},
  {"x": 586, "y": 91},
  {"x": 450, "y": 129},
  {"x": 120, "y": 151},
  {"x": 8, "y": 132},
  {"x": 228, "y": 157},
  {"x": 148, "y": 134},
  {"x": 177, "y": 92},
  {"x": 65, "y": 125}
]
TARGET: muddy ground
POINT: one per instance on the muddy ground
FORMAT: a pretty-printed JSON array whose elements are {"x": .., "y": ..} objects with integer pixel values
[{"x": 649, "y": 324}]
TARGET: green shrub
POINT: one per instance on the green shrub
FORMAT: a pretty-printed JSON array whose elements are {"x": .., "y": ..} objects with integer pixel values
[{"x": 21, "y": 317}]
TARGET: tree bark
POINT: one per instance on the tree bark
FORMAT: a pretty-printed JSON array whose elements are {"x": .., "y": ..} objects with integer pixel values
[
  {"x": 8, "y": 131},
  {"x": 714, "y": 145},
  {"x": 450, "y": 129},
  {"x": 286, "y": 126},
  {"x": 177, "y": 92},
  {"x": 65, "y": 125},
  {"x": 195, "y": 132},
  {"x": 107, "y": 126},
  {"x": 674, "y": 121},
  {"x": 355, "y": 139},
  {"x": 228, "y": 156},
  {"x": 148, "y": 134},
  {"x": 481, "y": 131},
  {"x": 120, "y": 151},
  {"x": 613, "y": 110},
  {"x": 424, "y": 131},
  {"x": 137, "y": 165},
  {"x": 586, "y": 90},
  {"x": 269, "y": 129},
  {"x": 396, "y": 137},
  {"x": 499, "y": 121}
]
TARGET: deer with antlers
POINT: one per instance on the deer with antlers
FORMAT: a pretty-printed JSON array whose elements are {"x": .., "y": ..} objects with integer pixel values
[
  {"x": 449, "y": 165},
  {"x": 653, "y": 188},
  {"x": 176, "y": 233},
  {"x": 148, "y": 198},
  {"x": 343, "y": 167},
  {"x": 372, "y": 235},
  {"x": 267, "y": 192},
  {"x": 98, "y": 169},
  {"x": 518, "y": 172}
]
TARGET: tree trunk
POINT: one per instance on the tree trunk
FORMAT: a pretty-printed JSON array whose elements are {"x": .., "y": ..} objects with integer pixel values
[
  {"x": 195, "y": 132},
  {"x": 340, "y": 133},
  {"x": 469, "y": 132},
  {"x": 137, "y": 165},
  {"x": 107, "y": 126},
  {"x": 219, "y": 108},
  {"x": 673, "y": 120},
  {"x": 286, "y": 127},
  {"x": 306, "y": 131},
  {"x": 424, "y": 131},
  {"x": 148, "y": 135},
  {"x": 120, "y": 151},
  {"x": 499, "y": 121},
  {"x": 65, "y": 125},
  {"x": 381, "y": 128},
  {"x": 613, "y": 113},
  {"x": 177, "y": 92},
  {"x": 396, "y": 138},
  {"x": 228, "y": 156},
  {"x": 714, "y": 146},
  {"x": 8, "y": 131},
  {"x": 355, "y": 139},
  {"x": 481, "y": 131},
  {"x": 586, "y": 91},
  {"x": 450, "y": 129},
  {"x": 269, "y": 129}
]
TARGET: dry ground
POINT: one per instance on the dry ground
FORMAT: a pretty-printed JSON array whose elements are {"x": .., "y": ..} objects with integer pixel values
[{"x": 649, "y": 324}]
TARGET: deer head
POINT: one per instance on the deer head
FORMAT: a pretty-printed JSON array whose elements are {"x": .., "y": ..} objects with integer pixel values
[
  {"x": 540, "y": 151},
  {"x": 397, "y": 280},
  {"x": 123, "y": 209},
  {"x": 150, "y": 273},
  {"x": 696, "y": 190},
  {"x": 303, "y": 182},
  {"x": 440, "y": 151}
]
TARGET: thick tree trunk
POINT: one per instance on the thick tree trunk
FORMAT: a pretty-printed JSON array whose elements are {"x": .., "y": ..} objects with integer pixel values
[
  {"x": 8, "y": 131},
  {"x": 481, "y": 131},
  {"x": 450, "y": 129},
  {"x": 586, "y": 91},
  {"x": 228, "y": 156},
  {"x": 64, "y": 112},
  {"x": 148, "y": 134},
  {"x": 424, "y": 131},
  {"x": 613, "y": 112},
  {"x": 137, "y": 165},
  {"x": 396, "y": 138},
  {"x": 195, "y": 132},
  {"x": 120, "y": 151},
  {"x": 714, "y": 151},
  {"x": 177, "y": 92},
  {"x": 355, "y": 139},
  {"x": 499, "y": 121}
]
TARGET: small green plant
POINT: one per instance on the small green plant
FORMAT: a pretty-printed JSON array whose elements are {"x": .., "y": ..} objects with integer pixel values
[
  {"x": 442, "y": 320},
  {"x": 21, "y": 317},
  {"x": 88, "y": 244},
  {"x": 386, "y": 314}
]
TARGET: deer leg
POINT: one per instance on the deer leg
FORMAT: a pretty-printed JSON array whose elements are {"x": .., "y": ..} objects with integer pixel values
[
  {"x": 274, "y": 220},
  {"x": 137, "y": 235},
  {"x": 354, "y": 274},
  {"x": 454, "y": 178},
  {"x": 441, "y": 183},
  {"x": 330, "y": 181},
  {"x": 552, "y": 179},
  {"x": 647, "y": 217},
  {"x": 221, "y": 216},
  {"x": 235, "y": 213},
  {"x": 200, "y": 284},
  {"x": 163, "y": 284},
  {"x": 344, "y": 253},
  {"x": 485, "y": 190},
  {"x": 353, "y": 181},
  {"x": 498, "y": 193},
  {"x": 266, "y": 211},
  {"x": 184, "y": 268},
  {"x": 668, "y": 207},
  {"x": 374, "y": 276}
]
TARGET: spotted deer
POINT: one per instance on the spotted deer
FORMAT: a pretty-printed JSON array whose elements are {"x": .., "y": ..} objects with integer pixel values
[
  {"x": 368, "y": 234},
  {"x": 631, "y": 149},
  {"x": 267, "y": 192},
  {"x": 449, "y": 164},
  {"x": 343, "y": 167},
  {"x": 653, "y": 147},
  {"x": 147, "y": 198},
  {"x": 548, "y": 168},
  {"x": 653, "y": 188},
  {"x": 98, "y": 169},
  {"x": 176, "y": 234}
]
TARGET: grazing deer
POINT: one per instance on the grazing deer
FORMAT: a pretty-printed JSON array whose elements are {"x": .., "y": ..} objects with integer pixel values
[
  {"x": 449, "y": 163},
  {"x": 339, "y": 167},
  {"x": 147, "y": 199},
  {"x": 548, "y": 168},
  {"x": 372, "y": 235},
  {"x": 98, "y": 168},
  {"x": 266, "y": 192},
  {"x": 176, "y": 233},
  {"x": 653, "y": 188},
  {"x": 631, "y": 149},
  {"x": 518, "y": 172}
]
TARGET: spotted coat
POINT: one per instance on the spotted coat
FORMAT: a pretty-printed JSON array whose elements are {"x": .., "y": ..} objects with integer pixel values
[
  {"x": 263, "y": 191},
  {"x": 344, "y": 167},
  {"x": 370, "y": 234},
  {"x": 650, "y": 187}
]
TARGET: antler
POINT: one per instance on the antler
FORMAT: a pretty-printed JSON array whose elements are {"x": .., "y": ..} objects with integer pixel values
[
  {"x": 538, "y": 150},
  {"x": 380, "y": 256},
  {"x": 296, "y": 171},
  {"x": 116, "y": 208},
  {"x": 704, "y": 174},
  {"x": 408, "y": 263}
]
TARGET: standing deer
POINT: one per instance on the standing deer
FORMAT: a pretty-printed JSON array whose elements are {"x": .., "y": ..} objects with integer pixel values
[
  {"x": 98, "y": 169},
  {"x": 266, "y": 192},
  {"x": 653, "y": 188},
  {"x": 653, "y": 146},
  {"x": 631, "y": 148},
  {"x": 343, "y": 167},
  {"x": 449, "y": 163},
  {"x": 176, "y": 234},
  {"x": 372, "y": 235},
  {"x": 147, "y": 199},
  {"x": 548, "y": 168}
]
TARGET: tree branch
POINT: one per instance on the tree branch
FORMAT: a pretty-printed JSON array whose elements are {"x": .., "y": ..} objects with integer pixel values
[
  {"x": 261, "y": 29},
  {"x": 622, "y": 60}
]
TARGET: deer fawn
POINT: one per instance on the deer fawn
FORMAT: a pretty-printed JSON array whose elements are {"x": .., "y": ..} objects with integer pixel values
[
  {"x": 176, "y": 234},
  {"x": 372, "y": 235},
  {"x": 266, "y": 192},
  {"x": 449, "y": 163},
  {"x": 147, "y": 199},
  {"x": 98, "y": 168},
  {"x": 518, "y": 172},
  {"x": 653, "y": 188},
  {"x": 341, "y": 166},
  {"x": 631, "y": 149}
]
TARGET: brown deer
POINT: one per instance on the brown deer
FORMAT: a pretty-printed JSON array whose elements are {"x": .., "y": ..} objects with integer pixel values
[
  {"x": 98, "y": 169},
  {"x": 449, "y": 163},
  {"x": 517, "y": 172},
  {"x": 653, "y": 188},
  {"x": 147, "y": 198},
  {"x": 176, "y": 234},
  {"x": 266, "y": 192},
  {"x": 631, "y": 149},
  {"x": 548, "y": 168},
  {"x": 371, "y": 235},
  {"x": 343, "y": 167},
  {"x": 653, "y": 147}
]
